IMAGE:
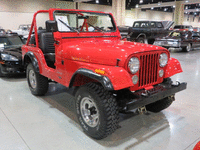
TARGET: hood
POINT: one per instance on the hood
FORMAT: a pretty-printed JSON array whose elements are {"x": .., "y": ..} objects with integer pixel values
[
  {"x": 105, "y": 52},
  {"x": 17, "y": 52}
]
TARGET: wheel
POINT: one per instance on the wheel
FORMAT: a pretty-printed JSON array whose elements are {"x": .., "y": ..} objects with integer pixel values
[
  {"x": 97, "y": 110},
  {"x": 187, "y": 48},
  {"x": 159, "y": 105},
  {"x": 140, "y": 40},
  {"x": 1, "y": 73},
  {"x": 38, "y": 84}
]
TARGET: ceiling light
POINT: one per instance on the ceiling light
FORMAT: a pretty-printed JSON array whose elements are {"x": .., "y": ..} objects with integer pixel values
[
  {"x": 141, "y": 1},
  {"x": 97, "y": 1},
  {"x": 165, "y": 9},
  {"x": 152, "y": 8},
  {"x": 186, "y": 1},
  {"x": 136, "y": 6},
  {"x": 174, "y": 6}
]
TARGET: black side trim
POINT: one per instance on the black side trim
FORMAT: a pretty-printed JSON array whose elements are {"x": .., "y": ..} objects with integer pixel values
[
  {"x": 88, "y": 37},
  {"x": 105, "y": 81},
  {"x": 33, "y": 60}
]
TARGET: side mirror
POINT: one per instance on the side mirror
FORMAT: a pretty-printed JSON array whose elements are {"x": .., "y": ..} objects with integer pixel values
[{"x": 51, "y": 26}]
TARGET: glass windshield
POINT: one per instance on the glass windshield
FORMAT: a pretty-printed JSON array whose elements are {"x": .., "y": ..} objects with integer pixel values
[
  {"x": 83, "y": 22},
  {"x": 13, "y": 41}
]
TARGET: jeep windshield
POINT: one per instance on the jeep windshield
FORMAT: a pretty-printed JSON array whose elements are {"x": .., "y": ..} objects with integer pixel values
[
  {"x": 10, "y": 42},
  {"x": 69, "y": 21}
]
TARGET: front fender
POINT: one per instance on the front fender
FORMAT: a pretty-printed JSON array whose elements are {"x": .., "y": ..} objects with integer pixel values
[
  {"x": 173, "y": 67},
  {"x": 118, "y": 77}
]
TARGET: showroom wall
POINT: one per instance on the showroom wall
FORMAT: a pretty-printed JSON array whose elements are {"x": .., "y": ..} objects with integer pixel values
[
  {"x": 16, "y": 12},
  {"x": 137, "y": 14},
  {"x": 189, "y": 20}
]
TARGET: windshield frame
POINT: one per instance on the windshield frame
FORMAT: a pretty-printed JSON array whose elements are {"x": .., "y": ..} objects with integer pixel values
[{"x": 80, "y": 12}]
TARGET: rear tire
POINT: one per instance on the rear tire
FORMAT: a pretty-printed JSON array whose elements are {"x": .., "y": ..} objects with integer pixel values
[
  {"x": 97, "y": 111},
  {"x": 187, "y": 48},
  {"x": 159, "y": 105},
  {"x": 38, "y": 84}
]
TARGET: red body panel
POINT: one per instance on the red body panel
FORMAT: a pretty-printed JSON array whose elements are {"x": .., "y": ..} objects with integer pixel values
[
  {"x": 100, "y": 50},
  {"x": 173, "y": 67}
]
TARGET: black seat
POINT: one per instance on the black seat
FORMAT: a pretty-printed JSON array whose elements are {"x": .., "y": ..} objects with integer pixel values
[{"x": 46, "y": 42}]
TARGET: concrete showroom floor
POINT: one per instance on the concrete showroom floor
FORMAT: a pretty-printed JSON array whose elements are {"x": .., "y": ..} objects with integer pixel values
[{"x": 49, "y": 122}]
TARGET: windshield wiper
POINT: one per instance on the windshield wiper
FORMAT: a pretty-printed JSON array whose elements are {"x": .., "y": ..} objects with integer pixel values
[
  {"x": 68, "y": 26},
  {"x": 97, "y": 28}
]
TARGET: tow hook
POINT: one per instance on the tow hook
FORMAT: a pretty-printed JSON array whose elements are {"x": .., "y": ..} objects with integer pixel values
[
  {"x": 142, "y": 110},
  {"x": 177, "y": 83},
  {"x": 172, "y": 97}
]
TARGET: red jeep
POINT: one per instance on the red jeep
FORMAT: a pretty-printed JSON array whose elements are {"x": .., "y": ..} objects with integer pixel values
[{"x": 83, "y": 50}]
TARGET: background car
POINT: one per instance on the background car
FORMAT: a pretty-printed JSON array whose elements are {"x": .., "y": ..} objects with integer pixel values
[
  {"x": 196, "y": 29},
  {"x": 123, "y": 31},
  {"x": 10, "y": 54},
  {"x": 181, "y": 40},
  {"x": 183, "y": 27}
]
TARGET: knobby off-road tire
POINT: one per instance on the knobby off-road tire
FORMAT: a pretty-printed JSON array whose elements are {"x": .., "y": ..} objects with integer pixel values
[
  {"x": 1, "y": 73},
  {"x": 97, "y": 110},
  {"x": 38, "y": 84},
  {"x": 159, "y": 105}
]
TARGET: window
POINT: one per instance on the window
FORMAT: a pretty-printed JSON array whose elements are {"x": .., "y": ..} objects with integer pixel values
[
  {"x": 144, "y": 25},
  {"x": 153, "y": 25},
  {"x": 159, "y": 25},
  {"x": 137, "y": 25}
]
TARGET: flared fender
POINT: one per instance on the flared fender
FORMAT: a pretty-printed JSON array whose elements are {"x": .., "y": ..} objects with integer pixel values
[
  {"x": 173, "y": 67},
  {"x": 118, "y": 77}
]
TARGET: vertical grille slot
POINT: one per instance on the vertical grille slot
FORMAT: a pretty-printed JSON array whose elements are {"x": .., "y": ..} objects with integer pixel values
[{"x": 148, "y": 73}]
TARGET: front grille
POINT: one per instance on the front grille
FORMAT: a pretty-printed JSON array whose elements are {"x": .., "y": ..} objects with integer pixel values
[{"x": 148, "y": 73}]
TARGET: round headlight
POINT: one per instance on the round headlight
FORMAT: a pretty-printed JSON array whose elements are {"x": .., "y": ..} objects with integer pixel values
[
  {"x": 134, "y": 65},
  {"x": 163, "y": 59}
]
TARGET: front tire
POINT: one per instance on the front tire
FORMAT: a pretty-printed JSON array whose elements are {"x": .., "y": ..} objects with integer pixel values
[
  {"x": 159, "y": 105},
  {"x": 38, "y": 84},
  {"x": 97, "y": 110},
  {"x": 141, "y": 40}
]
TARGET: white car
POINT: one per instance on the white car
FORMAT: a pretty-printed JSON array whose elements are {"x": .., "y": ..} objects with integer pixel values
[{"x": 23, "y": 29}]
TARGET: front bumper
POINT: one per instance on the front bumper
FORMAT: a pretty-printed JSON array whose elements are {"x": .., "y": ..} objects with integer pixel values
[
  {"x": 11, "y": 67},
  {"x": 145, "y": 97}
]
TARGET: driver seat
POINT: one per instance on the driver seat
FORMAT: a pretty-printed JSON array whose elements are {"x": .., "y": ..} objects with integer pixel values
[{"x": 46, "y": 43}]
